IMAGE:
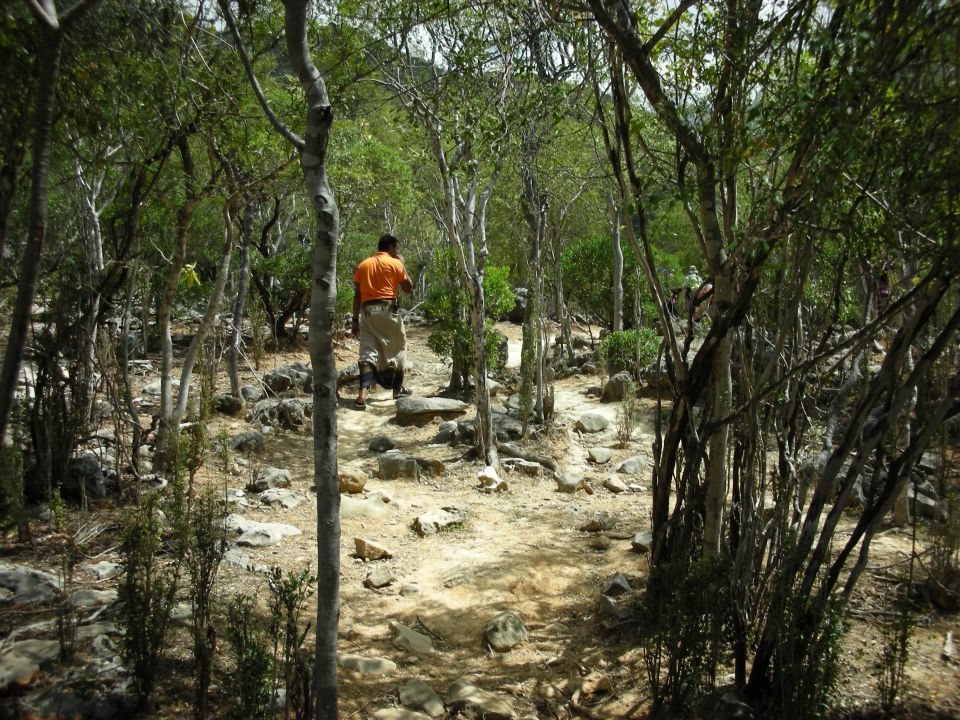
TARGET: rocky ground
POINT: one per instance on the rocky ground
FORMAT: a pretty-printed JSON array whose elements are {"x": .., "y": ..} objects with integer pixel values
[{"x": 496, "y": 594}]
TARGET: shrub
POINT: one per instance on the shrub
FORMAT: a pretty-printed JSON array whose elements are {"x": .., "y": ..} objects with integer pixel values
[
  {"x": 629, "y": 350},
  {"x": 147, "y": 592},
  {"x": 249, "y": 684}
]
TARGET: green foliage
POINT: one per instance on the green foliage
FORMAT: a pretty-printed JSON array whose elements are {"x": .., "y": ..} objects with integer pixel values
[
  {"x": 626, "y": 421},
  {"x": 288, "y": 594},
  {"x": 894, "y": 652},
  {"x": 249, "y": 684},
  {"x": 683, "y": 616},
  {"x": 147, "y": 593},
  {"x": 449, "y": 304},
  {"x": 628, "y": 350},
  {"x": 806, "y": 663},
  {"x": 205, "y": 550}
]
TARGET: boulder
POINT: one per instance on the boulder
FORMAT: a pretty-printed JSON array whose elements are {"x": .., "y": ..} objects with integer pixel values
[
  {"x": 249, "y": 441},
  {"x": 21, "y": 662},
  {"x": 102, "y": 570},
  {"x": 370, "y": 550},
  {"x": 361, "y": 507},
  {"x": 352, "y": 479},
  {"x": 490, "y": 481},
  {"x": 87, "y": 476},
  {"x": 395, "y": 465},
  {"x": 21, "y": 585},
  {"x": 90, "y": 599},
  {"x": 257, "y": 534},
  {"x": 615, "y": 485},
  {"x": 394, "y": 713},
  {"x": 600, "y": 521},
  {"x": 417, "y": 695},
  {"x": 381, "y": 443},
  {"x": 505, "y": 631},
  {"x": 599, "y": 455},
  {"x": 380, "y": 578},
  {"x": 366, "y": 665},
  {"x": 284, "y": 497},
  {"x": 410, "y": 640},
  {"x": 527, "y": 467},
  {"x": 519, "y": 310},
  {"x": 592, "y": 422},
  {"x": 349, "y": 374},
  {"x": 420, "y": 411},
  {"x": 228, "y": 405},
  {"x": 288, "y": 413},
  {"x": 295, "y": 376},
  {"x": 642, "y": 542},
  {"x": 464, "y": 695},
  {"x": 655, "y": 375},
  {"x": 618, "y": 387},
  {"x": 268, "y": 478},
  {"x": 571, "y": 483},
  {"x": 616, "y": 586},
  {"x": 632, "y": 465},
  {"x": 449, "y": 432},
  {"x": 505, "y": 426},
  {"x": 251, "y": 393},
  {"x": 430, "y": 523}
]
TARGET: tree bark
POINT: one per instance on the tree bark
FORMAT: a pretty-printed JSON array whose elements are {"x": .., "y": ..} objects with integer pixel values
[
  {"x": 243, "y": 282},
  {"x": 323, "y": 297}
]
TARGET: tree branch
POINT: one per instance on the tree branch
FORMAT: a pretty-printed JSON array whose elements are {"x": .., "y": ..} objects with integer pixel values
[
  {"x": 667, "y": 25},
  {"x": 277, "y": 123}
]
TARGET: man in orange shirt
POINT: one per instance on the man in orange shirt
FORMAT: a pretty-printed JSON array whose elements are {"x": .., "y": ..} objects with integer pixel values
[{"x": 376, "y": 320}]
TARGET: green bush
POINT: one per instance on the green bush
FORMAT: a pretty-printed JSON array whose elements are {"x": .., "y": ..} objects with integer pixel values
[
  {"x": 629, "y": 350},
  {"x": 249, "y": 685},
  {"x": 448, "y": 304}
]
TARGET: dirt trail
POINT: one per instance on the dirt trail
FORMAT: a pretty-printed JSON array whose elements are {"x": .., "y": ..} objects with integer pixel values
[{"x": 520, "y": 550}]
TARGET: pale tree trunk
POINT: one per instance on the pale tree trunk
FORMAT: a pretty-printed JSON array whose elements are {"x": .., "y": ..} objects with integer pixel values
[
  {"x": 54, "y": 30},
  {"x": 243, "y": 282},
  {"x": 323, "y": 298},
  {"x": 534, "y": 210},
  {"x": 616, "y": 222},
  {"x": 901, "y": 503}
]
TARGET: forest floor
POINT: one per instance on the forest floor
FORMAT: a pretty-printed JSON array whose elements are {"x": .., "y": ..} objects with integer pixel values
[{"x": 520, "y": 550}]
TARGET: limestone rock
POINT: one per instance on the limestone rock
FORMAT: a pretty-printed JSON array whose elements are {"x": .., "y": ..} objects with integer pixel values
[
  {"x": 348, "y": 374},
  {"x": 366, "y": 665},
  {"x": 616, "y": 586},
  {"x": 410, "y": 640},
  {"x": 505, "y": 427},
  {"x": 26, "y": 586},
  {"x": 372, "y": 506},
  {"x": 632, "y": 465},
  {"x": 490, "y": 481},
  {"x": 379, "y": 578},
  {"x": 381, "y": 443},
  {"x": 270, "y": 477},
  {"x": 592, "y": 422},
  {"x": 248, "y": 441},
  {"x": 598, "y": 522},
  {"x": 102, "y": 570},
  {"x": 352, "y": 479},
  {"x": 257, "y": 534},
  {"x": 431, "y": 467},
  {"x": 572, "y": 483},
  {"x": 432, "y": 522},
  {"x": 399, "y": 714},
  {"x": 370, "y": 550},
  {"x": 283, "y": 497},
  {"x": 618, "y": 387},
  {"x": 642, "y": 542},
  {"x": 449, "y": 432},
  {"x": 251, "y": 393},
  {"x": 417, "y": 695},
  {"x": 89, "y": 599},
  {"x": 463, "y": 694},
  {"x": 615, "y": 485},
  {"x": 395, "y": 465},
  {"x": 21, "y": 661},
  {"x": 228, "y": 404},
  {"x": 420, "y": 411},
  {"x": 527, "y": 467},
  {"x": 288, "y": 413},
  {"x": 505, "y": 632},
  {"x": 296, "y": 376},
  {"x": 599, "y": 455}
]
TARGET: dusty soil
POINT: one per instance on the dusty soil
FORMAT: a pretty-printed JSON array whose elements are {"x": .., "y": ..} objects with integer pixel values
[{"x": 520, "y": 550}]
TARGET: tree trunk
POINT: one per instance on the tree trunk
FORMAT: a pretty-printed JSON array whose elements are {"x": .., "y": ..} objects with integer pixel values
[
  {"x": 49, "y": 66},
  {"x": 243, "y": 282},
  {"x": 616, "y": 222},
  {"x": 313, "y": 160}
]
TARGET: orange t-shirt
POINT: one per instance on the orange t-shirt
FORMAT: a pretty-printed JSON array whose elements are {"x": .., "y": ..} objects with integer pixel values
[{"x": 377, "y": 277}]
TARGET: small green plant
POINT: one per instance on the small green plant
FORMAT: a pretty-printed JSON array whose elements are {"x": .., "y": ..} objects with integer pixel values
[
  {"x": 288, "y": 594},
  {"x": 628, "y": 350},
  {"x": 204, "y": 552},
  {"x": 147, "y": 592},
  {"x": 249, "y": 685},
  {"x": 223, "y": 448},
  {"x": 58, "y": 509},
  {"x": 895, "y": 651},
  {"x": 66, "y": 612},
  {"x": 626, "y": 418},
  {"x": 683, "y": 616}
]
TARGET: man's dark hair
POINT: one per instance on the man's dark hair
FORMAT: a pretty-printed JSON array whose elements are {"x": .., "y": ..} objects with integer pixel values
[{"x": 386, "y": 241}]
